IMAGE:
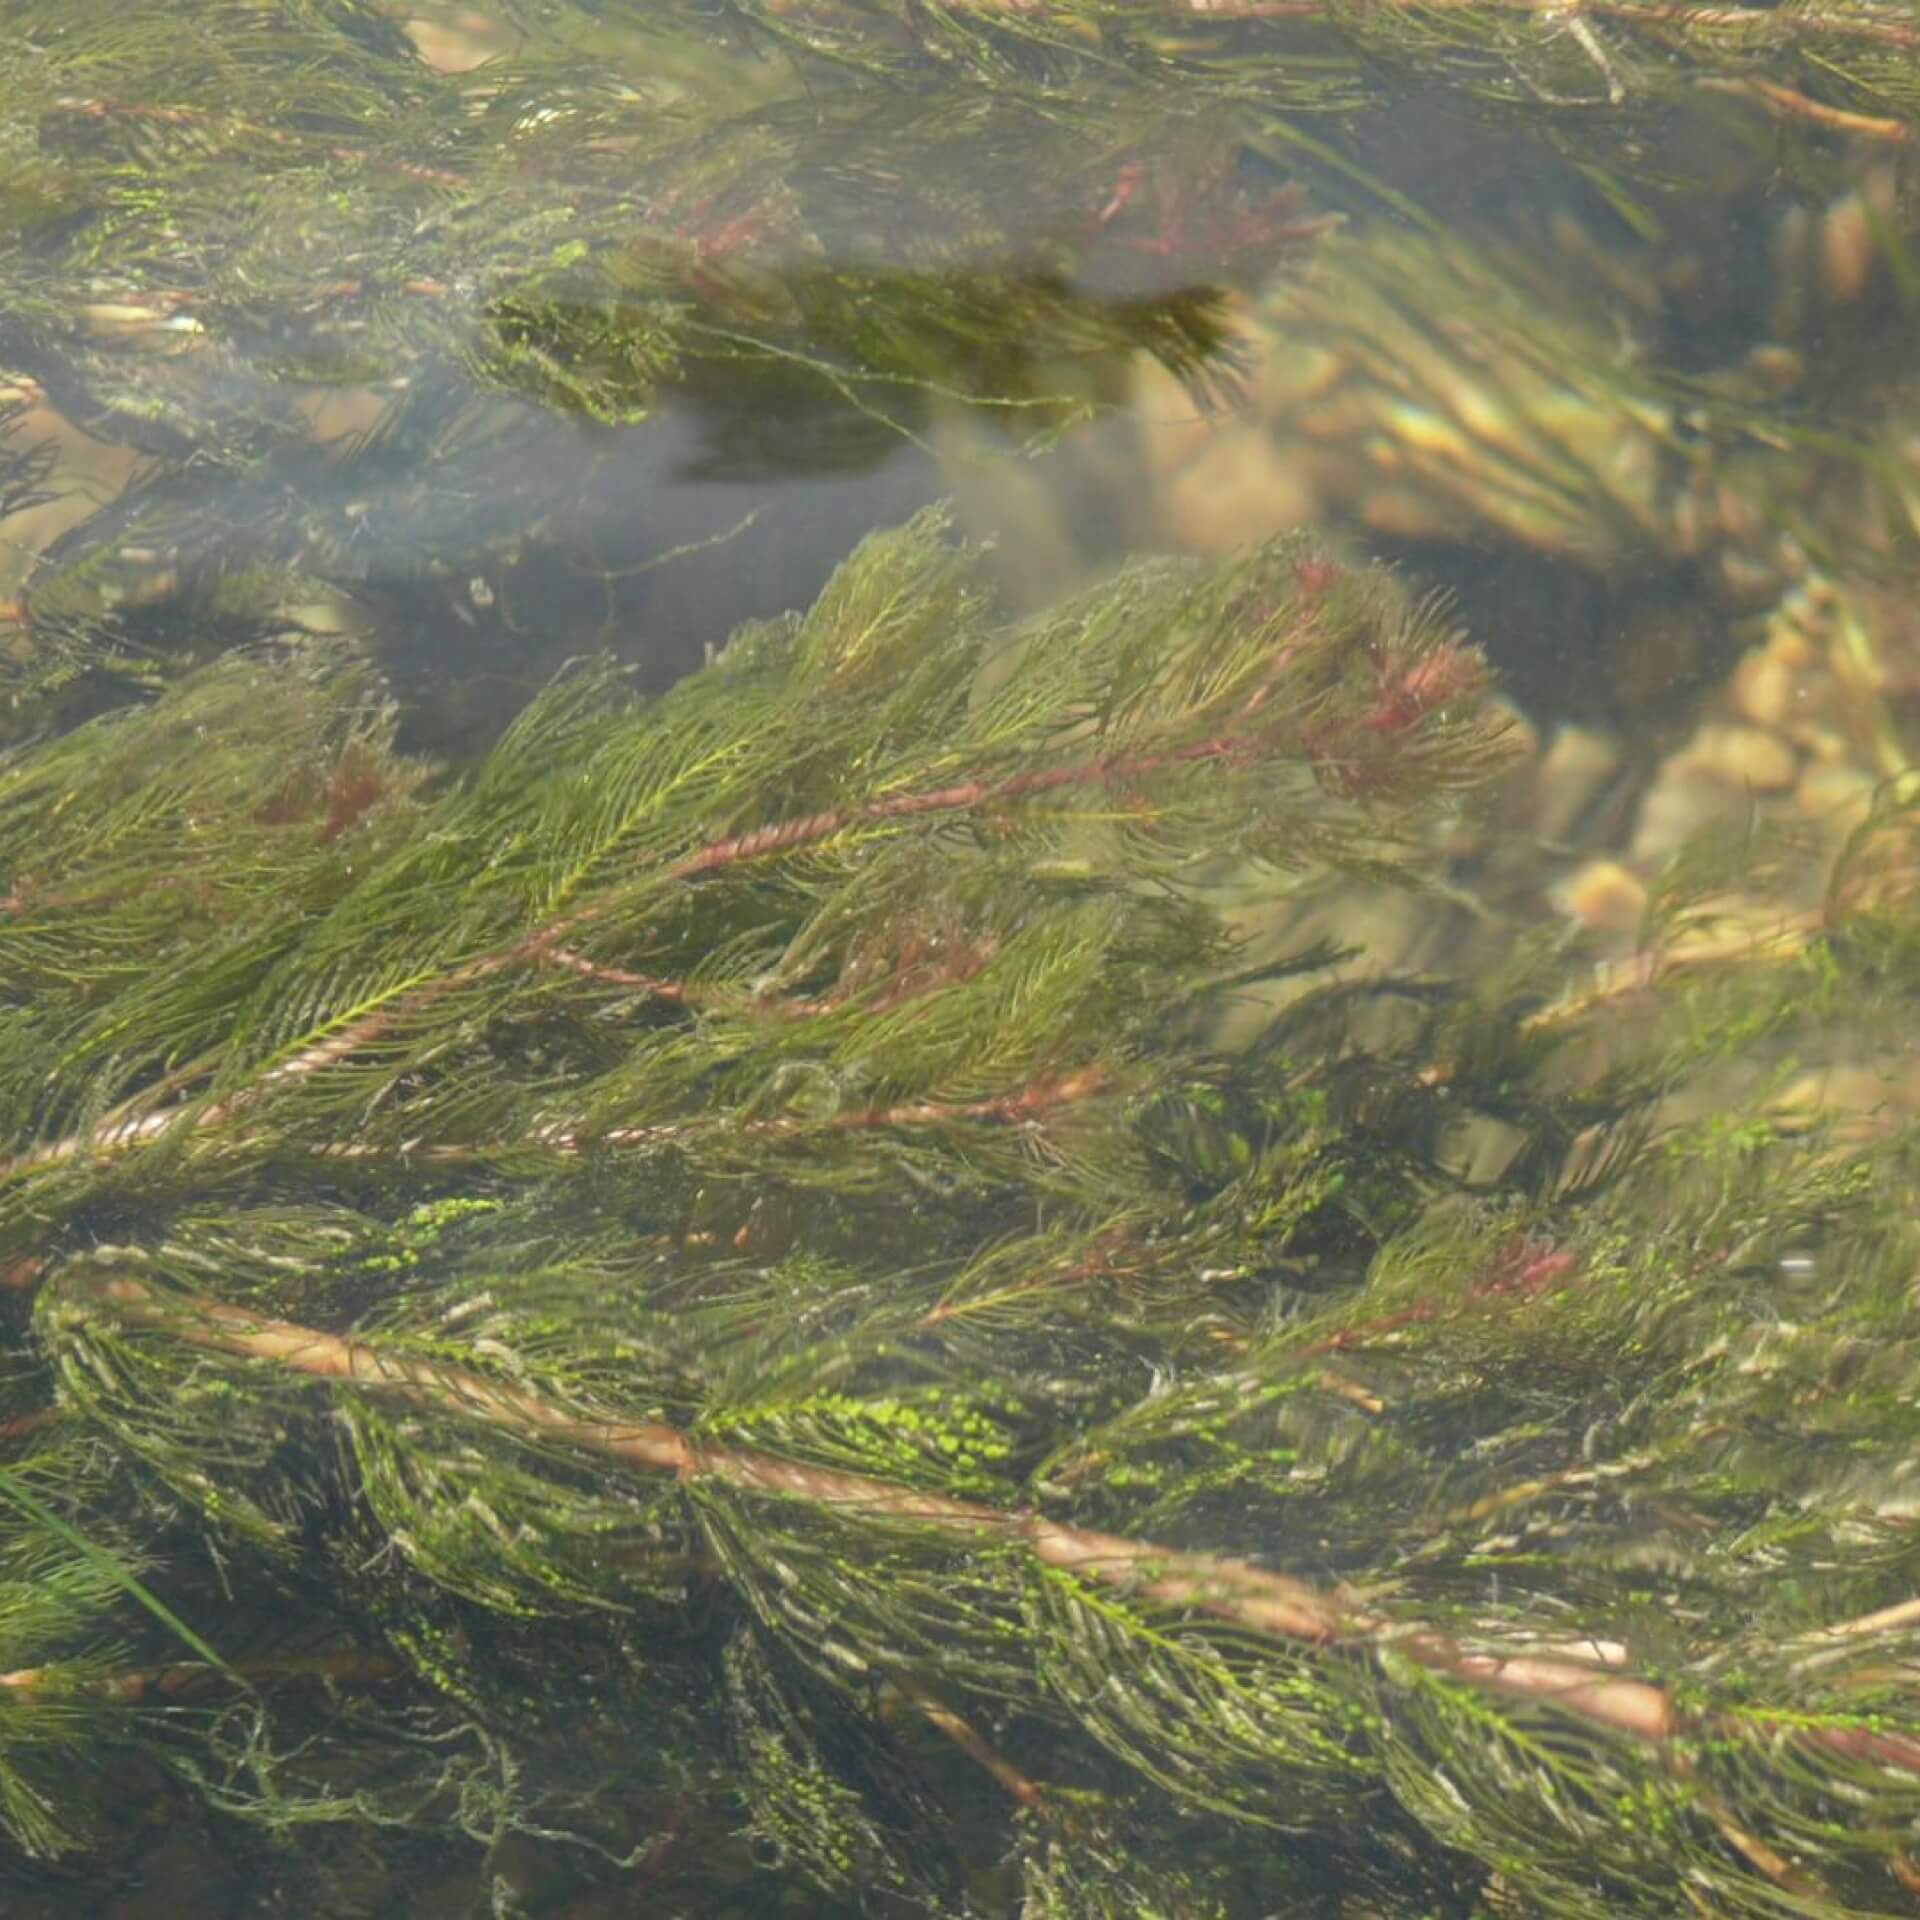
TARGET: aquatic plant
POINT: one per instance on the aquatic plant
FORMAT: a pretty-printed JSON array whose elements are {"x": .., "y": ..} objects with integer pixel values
[
  {"x": 759, "y": 1294},
  {"x": 666, "y": 1282}
]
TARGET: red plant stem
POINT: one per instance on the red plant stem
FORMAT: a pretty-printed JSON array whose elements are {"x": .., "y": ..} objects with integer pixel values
[
  {"x": 1012, "y": 1109},
  {"x": 650, "y": 983},
  {"x": 138, "y": 1129},
  {"x": 810, "y": 829},
  {"x": 22, "y": 1426},
  {"x": 1102, "y": 1262},
  {"x": 1524, "y": 1271},
  {"x": 756, "y": 1003},
  {"x": 1791, "y": 104},
  {"x": 942, "y": 1718},
  {"x": 1019, "y": 1108},
  {"x": 1275, "y": 1605},
  {"x": 1272, "y": 1604}
]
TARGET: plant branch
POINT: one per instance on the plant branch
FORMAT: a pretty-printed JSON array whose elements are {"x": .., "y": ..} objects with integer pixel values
[
  {"x": 1271, "y": 1604},
  {"x": 132, "y": 1685},
  {"x": 544, "y": 944}
]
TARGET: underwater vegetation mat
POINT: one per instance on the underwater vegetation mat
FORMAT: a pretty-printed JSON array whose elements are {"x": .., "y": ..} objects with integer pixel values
[
  {"x": 757, "y": 1302},
  {"x": 701, "y": 1298}
]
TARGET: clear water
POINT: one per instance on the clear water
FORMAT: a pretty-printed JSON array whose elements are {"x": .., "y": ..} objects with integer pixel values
[{"x": 492, "y": 336}]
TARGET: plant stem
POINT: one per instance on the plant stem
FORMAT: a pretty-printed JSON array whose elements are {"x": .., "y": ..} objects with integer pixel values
[
  {"x": 346, "y": 1666},
  {"x": 129, "y": 1129},
  {"x": 1274, "y": 1605}
]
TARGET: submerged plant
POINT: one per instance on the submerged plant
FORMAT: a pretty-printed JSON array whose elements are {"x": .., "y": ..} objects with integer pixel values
[
  {"x": 711, "y": 1272},
  {"x": 760, "y": 1294}
]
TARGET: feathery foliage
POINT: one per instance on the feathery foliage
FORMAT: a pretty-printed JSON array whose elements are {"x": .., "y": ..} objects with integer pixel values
[
  {"x": 757, "y": 1294},
  {"x": 711, "y": 1270}
]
